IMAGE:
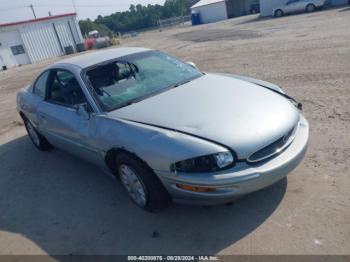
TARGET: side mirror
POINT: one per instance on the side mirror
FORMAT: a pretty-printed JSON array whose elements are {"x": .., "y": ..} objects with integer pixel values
[
  {"x": 191, "y": 64},
  {"x": 82, "y": 110}
]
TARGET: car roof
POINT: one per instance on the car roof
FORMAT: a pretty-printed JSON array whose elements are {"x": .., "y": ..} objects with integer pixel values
[{"x": 95, "y": 57}]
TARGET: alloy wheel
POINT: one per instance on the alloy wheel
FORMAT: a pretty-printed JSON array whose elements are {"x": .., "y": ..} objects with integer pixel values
[
  {"x": 32, "y": 133},
  {"x": 310, "y": 8},
  {"x": 133, "y": 185}
]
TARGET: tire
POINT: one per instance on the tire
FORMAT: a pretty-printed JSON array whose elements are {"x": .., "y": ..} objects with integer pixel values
[
  {"x": 146, "y": 190},
  {"x": 279, "y": 13},
  {"x": 310, "y": 8},
  {"x": 37, "y": 139}
]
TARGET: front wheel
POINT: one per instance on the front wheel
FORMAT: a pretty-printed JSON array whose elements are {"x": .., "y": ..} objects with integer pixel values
[
  {"x": 310, "y": 8},
  {"x": 142, "y": 185},
  {"x": 278, "y": 13},
  {"x": 38, "y": 140}
]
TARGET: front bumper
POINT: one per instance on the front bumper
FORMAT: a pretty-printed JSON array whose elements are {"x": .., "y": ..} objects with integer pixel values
[{"x": 243, "y": 178}]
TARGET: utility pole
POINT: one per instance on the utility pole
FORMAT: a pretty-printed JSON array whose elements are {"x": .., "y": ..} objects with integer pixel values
[
  {"x": 32, "y": 7},
  {"x": 75, "y": 9},
  {"x": 74, "y": 6}
]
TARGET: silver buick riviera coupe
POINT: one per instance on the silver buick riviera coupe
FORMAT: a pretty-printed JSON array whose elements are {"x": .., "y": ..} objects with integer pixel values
[{"x": 166, "y": 129}]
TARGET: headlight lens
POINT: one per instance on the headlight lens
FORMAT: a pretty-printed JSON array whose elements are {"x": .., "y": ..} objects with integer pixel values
[
  {"x": 223, "y": 159},
  {"x": 208, "y": 163}
]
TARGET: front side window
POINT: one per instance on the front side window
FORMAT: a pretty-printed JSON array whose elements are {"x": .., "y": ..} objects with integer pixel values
[
  {"x": 65, "y": 89},
  {"x": 40, "y": 84},
  {"x": 136, "y": 77}
]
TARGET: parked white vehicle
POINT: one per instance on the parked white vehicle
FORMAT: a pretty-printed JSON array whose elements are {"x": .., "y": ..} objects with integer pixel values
[{"x": 293, "y": 6}]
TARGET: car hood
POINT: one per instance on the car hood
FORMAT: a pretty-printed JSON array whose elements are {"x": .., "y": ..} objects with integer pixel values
[{"x": 238, "y": 114}]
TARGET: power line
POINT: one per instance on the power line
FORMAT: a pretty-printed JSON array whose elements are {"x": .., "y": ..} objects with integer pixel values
[
  {"x": 8, "y": 8},
  {"x": 59, "y": 5},
  {"x": 31, "y": 6},
  {"x": 82, "y": 6},
  {"x": 11, "y": 8}
]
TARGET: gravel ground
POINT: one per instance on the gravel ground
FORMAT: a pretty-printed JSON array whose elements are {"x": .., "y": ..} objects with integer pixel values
[{"x": 56, "y": 204}]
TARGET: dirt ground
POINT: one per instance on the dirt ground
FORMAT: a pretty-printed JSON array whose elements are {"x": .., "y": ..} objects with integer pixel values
[{"x": 54, "y": 203}]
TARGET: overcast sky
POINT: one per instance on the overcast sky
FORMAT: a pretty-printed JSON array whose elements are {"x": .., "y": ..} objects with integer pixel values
[{"x": 16, "y": 10}]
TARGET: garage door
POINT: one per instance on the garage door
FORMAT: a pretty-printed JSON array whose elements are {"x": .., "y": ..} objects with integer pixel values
[
  {"x": 41, "y": 42},
  {"x": 65, "y": 34}
]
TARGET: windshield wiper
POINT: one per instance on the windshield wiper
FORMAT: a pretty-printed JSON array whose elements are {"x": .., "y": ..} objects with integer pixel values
[
  {"x": 180, "y": 84},
  {"x": 133, "y": 101},
  {"x": 104, "y": 91}
]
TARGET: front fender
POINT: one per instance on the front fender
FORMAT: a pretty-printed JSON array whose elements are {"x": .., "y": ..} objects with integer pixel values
[{"x": 158, "y": 147}]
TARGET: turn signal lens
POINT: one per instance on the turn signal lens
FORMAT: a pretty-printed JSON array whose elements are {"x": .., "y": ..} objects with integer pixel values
[{"x": 196, "y": 189}]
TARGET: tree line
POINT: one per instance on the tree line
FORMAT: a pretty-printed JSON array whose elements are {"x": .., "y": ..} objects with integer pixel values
[{"x": 137, "y": 17}]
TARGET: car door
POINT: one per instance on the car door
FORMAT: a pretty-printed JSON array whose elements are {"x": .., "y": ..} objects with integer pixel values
[
  {"x": 292, "y": 6},
  {"x": 300, "y": 5},
  {"x": 60, "y": 121},
  {"x": 34, "y": 96}
]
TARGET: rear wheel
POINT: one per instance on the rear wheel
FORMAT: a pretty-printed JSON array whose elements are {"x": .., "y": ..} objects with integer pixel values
[
  {"x": 142, "y": 185},
  {"x": 279, "y": 13},
  {"x": 310, "y": 8},
  {"x": 38, "y": 140}
]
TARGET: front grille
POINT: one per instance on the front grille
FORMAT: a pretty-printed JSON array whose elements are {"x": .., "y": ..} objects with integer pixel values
[{"x": 275, "y": 148}]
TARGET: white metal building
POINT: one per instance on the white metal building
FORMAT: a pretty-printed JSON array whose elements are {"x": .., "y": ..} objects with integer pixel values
[
  {"x": 34, "y": 40},
  {"x": 266, "y": 6},
  {"x": 217, "y": 10},
  {"x": 211, "y": 10}
]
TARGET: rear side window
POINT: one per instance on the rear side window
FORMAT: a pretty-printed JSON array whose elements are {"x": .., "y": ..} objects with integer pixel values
[
  {"x": 40, "y": 84},
  {"x": 65, "y": 89}
]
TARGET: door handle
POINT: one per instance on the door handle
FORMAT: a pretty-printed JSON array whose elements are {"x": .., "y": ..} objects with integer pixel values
[{"x": 42, "y": 116}]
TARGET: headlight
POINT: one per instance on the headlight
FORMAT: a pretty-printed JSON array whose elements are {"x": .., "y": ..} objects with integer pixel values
[{"x": 208, "y": 163}]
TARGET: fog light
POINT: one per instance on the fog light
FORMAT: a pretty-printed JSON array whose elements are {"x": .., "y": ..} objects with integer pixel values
[{"x": 195, "y": 188}]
